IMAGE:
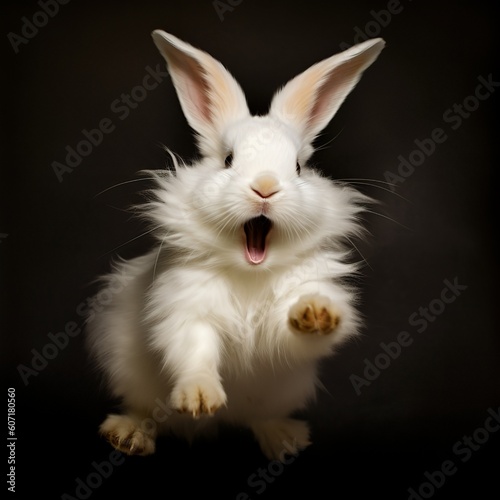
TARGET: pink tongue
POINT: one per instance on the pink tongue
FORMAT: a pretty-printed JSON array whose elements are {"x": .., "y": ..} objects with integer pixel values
[
  {"x": 256, "y": 232},
  {"x": 256, "y": 253}
]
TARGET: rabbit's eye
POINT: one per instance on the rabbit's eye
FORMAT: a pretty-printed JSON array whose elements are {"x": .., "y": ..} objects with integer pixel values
[
  {"x": 297, "y": 168},
  {"x": 229, "y": 160}
]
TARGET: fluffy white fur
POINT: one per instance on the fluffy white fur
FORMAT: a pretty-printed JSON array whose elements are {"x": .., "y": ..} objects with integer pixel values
[{"x": 199, "y": 333}]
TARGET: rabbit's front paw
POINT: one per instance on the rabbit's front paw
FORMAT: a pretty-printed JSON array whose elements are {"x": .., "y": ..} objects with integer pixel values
[
  {"x": 198, "y": 398},
  {"x": 314, "y": 314}
]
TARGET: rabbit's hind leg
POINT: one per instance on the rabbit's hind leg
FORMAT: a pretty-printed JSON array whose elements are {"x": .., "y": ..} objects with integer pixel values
[{"x": 127, "y": 435}]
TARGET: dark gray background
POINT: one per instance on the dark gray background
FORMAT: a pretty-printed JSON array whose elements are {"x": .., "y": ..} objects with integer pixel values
[{"x": 438, "y": 225}]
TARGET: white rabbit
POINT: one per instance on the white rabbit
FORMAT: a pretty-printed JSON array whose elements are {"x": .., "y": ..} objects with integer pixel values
[{"x": 226, "y": 319}]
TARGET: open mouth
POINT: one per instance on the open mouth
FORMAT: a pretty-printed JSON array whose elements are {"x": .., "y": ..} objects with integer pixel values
[{"x": 256, "y": 238}]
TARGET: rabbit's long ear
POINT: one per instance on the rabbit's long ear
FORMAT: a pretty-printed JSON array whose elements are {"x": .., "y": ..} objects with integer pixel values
[
  {"x": 309, "y": 101},
  {"x": 210, "y": 97}
]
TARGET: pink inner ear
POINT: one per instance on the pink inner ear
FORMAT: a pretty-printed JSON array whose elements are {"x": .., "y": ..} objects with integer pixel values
[
  {"x": 334, "y": 89},
  {"x": 193, "y": 83}
]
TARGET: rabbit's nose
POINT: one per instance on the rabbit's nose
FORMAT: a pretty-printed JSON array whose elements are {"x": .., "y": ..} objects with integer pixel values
[{"x": 265, "y": 185}]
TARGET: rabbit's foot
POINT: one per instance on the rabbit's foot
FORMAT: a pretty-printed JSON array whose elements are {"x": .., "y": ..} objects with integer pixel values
[
  {"x": 124, "y": 434},
  {"x": 198, "y": 398},
  {"x": 279, "y": 438},
  {"x": 314, "y": 314}
]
